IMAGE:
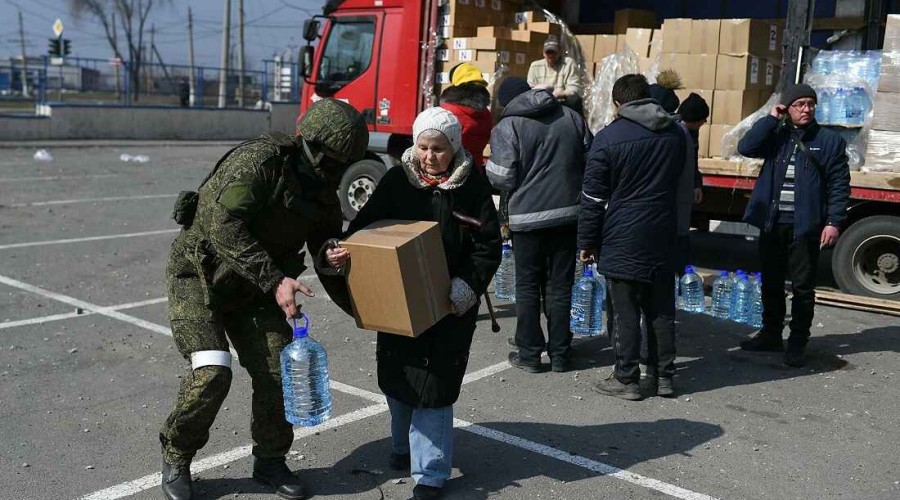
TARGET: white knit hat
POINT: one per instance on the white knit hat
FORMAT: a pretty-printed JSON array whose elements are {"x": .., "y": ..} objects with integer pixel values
[{"x": 443, "y": 121}]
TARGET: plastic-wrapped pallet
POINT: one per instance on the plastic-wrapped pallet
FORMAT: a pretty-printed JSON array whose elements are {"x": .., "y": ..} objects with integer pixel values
[
  {"x": 603, "y": 110},
  {"x": 883, "y": 151}
]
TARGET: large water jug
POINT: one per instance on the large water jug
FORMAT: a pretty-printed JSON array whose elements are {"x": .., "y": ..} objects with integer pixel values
[
  {"x": 505, "y": 278},
  {"x": 586, "y": 316},
  {"x": 721, "y": 296},
  {"x": 756, "y": 307},
  {"x": 741, "y": 305},
  {"x": 304, "y": 379},
  {"x": 692, "y": 291}
]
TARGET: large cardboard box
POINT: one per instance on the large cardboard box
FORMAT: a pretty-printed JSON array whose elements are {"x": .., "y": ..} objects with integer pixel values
[
  {"x": 604, "y": 45},
  {"x": 655, "y": 43},
  {"x": 705, "y": 36},
  {"x": 450, "y": 32},
  {"x": 750, "y": 36},
  {"x": 587, "y": 46},
  {"x": 889, "y": 81},
  {"x": 547, "y": 28},
  {"x": 892, "y": 34},
  {"x": 634, "y": 18},
  {"x": 745, "y": 73},
  {"x": 732, "y": 106},
  {"x": 676, "y": 36},
  {"x": 398, "y": 276},
  {"x": 696, "y": 70},
  {"x": 494, "y": 32},
  {"x": 716, "y": 132},
  {"x": 638, "y": 39},
  {"x": 703, "y": 140},
  {"x": 886, "y": 112},
  {"x": 454, "y": 6}
]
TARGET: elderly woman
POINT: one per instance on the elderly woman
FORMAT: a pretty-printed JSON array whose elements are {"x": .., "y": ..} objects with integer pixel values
[{"x": 422, "y": 376}]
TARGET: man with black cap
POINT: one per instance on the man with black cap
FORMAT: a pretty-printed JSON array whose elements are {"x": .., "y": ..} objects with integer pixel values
[
  {"x": 692, "y": 114},
  {"x": 558, "y": 74},
  {"x": 799, "y": 203},
  {"x": 538, "y": 151}
]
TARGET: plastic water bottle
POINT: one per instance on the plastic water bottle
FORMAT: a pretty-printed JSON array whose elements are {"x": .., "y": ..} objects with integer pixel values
[
  {"x": 743, "y": 295},
  {"x": 721, "y": 296},
  {"x": 823, "y": 109},
  {"x": 586, "y": 315},
  {"x": 679, "y": 304},
  {"x": 505, "y": 279},
  {"x": 304, "y": 379},
  {"x": 692, "y": 291},
  {"x": 756, "y": 307},
  {"x": 839, "y": 107},
  {"x": 858, "y": 105}
]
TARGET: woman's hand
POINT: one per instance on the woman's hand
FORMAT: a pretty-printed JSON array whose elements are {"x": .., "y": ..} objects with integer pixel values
[{"x": 337, "y": 256}]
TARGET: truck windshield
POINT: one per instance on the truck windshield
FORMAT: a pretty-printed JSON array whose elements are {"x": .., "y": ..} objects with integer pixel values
[{"x": 347, "y": 53}]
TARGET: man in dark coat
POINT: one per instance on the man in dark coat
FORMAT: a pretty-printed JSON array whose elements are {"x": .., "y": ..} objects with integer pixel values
[
  {"x": 799, "y": 203},
  {"x": 627, "y": 220},
  {"x": 537, "y": 155}
]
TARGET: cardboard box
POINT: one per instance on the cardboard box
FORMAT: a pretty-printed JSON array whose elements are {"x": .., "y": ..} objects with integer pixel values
[
  {"x": 529, "y": 37},
  {"x": 604, "y": 45},
  {"x": 655, "y": 43},
  {"x": 732, "y": 106},
  {"x": 494, "y": 32},
  {"x": 531, "y": 16},
  {"x": 716, "y": 132},
  {"x": 634, "y": 18},
  {"x": 750, "y": 36},
  {"x": 481, "y": 43},
  {"x": 745, "y": 73},
  {"x": 703, "y": 140},
  {"x": 398, "y": 277},
  {"x": 544, "y": 27},
  {"x": 705, "y": 36},
  {"x": 696, "y": 70},
  {"x": 882, "y": 151},
  {"x": 676, "y": 36},
  {"x": 454, "y": 6},
  {"x": 587, "y": 46},
  {"x": 620, "y": 43},
  {"x": 892, "y": 34},
  {"x": 450, "y": 32},
  {"x": 639, "y": 40},
  {"x": 890, "y": 71},
  {"x": 886, "y": 112}
]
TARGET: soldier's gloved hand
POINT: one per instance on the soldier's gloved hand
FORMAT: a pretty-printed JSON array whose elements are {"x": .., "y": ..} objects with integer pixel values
[{"x": 284, "y": 295}]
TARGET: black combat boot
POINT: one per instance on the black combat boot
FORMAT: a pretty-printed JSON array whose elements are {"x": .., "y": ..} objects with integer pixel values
[
  {"x": 176, "y": 481},
  {"x": 275, "y": 473},
  {"x": 763, "y": 342}
]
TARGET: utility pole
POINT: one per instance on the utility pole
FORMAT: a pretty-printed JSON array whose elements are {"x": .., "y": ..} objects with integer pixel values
[
  {"x": 241, "y": 54},
  {"x": 191, "y": 55},
  {"x": 226, "y": 46},
  {"x": 25, "y": 59},
  {"x": 117, "y": 54}
]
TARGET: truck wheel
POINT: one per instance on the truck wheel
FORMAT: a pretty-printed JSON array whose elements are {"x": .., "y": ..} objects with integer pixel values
[
  {"x": 866, "y": 260},
  {"x": 358, "y": 184}
]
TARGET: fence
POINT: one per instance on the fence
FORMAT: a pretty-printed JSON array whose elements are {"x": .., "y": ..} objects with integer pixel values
[{"x": 113, "y": 82}]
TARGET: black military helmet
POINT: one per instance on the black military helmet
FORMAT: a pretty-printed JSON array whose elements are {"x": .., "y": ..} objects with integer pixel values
[{"x": 337, "y": 127}]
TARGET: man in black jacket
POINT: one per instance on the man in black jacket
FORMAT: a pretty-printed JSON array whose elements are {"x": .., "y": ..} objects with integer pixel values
[
  {"x": 798, "y": 204},
  {"x": 627, "y": 220},
  {"x": 537, "y": 155}
]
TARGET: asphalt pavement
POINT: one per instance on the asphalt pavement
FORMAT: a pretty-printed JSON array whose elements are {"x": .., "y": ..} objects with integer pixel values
[{"x": 89, "y": 372}]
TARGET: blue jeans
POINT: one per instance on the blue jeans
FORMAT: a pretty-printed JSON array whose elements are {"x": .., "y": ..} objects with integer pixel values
[{"x": 427, "y": 435}]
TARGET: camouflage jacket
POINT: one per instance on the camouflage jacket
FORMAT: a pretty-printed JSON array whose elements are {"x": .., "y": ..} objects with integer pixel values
[{"x": 254, "y": 215}]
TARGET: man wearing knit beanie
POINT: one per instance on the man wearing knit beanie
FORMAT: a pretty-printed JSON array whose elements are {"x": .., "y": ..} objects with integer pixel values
[
  {"x": 538, "y": 150},
  {"x": 799, "y": 203}
]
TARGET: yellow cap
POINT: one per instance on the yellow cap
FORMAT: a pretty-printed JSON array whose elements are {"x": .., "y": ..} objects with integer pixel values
[{"x": 466, "y": 73}]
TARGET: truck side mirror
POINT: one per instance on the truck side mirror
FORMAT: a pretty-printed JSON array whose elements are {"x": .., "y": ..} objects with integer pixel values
[
  {"x": 306, "y": 61},
  {"x": 310, "y": 30}
]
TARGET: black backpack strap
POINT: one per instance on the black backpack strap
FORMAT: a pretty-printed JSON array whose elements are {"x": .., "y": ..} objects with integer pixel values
[{"x": 812, "y": 159}]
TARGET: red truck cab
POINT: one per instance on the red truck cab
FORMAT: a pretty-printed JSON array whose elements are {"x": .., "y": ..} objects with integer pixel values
[{"x": 372, "y": 54}]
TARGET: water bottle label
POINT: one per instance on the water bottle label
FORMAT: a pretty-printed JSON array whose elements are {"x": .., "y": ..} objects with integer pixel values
[{"x": 579, "y": 313}]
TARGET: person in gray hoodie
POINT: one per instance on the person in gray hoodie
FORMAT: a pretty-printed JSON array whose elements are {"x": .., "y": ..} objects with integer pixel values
[{"x": 538, "y": 150}]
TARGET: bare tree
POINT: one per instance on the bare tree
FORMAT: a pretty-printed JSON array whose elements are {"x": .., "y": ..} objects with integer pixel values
[{"x": 132, "y": 17}]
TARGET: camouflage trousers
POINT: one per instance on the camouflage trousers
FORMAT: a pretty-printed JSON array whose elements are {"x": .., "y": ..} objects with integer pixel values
[{"x": 258, "y": 335}]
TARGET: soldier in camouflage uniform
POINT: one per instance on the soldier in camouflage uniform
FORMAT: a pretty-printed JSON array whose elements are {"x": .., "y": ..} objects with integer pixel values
[{"x": 230, "y": 277}]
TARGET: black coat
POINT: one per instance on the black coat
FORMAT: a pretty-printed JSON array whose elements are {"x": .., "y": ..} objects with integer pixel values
[{"x": 427, "y": 371}]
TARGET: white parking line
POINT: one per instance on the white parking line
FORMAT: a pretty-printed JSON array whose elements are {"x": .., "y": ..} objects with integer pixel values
[
  {"x": 152, "y": 480},
  {"x": 55, "y": 178},
  {"x": 91, "y": 200},
  {"x": 59, "y": 317},
  {"x": 88, "y": 238}
]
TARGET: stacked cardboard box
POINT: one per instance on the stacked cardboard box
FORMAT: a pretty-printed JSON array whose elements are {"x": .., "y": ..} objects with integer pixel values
[
  {"x": 883, "y": 148},
  {"x": 633, "y": 28}
]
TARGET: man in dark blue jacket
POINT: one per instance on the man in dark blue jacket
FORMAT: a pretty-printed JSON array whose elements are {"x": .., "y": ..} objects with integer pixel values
[
  {"x": 798, "y": 204},
  {"x": 627, "y": 220}
]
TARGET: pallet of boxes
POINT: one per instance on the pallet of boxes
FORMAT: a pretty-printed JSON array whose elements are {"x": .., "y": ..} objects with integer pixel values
[
  {"x": 883, "y": 147},
  {"x": 496, "y": 36},
  {"x": 733, "y": 64},
  {"x": 633, "y": 28}
]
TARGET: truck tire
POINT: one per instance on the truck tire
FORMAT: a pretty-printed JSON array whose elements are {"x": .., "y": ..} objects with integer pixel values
[
  {"x": 358, "y": 184},
  {"x": 866, "y": 260}
]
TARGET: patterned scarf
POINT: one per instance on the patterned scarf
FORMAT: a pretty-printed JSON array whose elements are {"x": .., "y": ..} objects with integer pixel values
[{"x": 434, "y": 180}]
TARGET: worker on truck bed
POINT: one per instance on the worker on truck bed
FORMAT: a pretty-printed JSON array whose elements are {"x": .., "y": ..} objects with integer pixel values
[
  {"x": 799, "y": 203},
  {"x": 558, "y": 74}
]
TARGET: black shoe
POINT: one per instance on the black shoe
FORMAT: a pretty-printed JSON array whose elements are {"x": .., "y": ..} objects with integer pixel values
[
  {"x": 560, "y": 365},
  {"x": 399, "y": 461},
  {"x": 665, "y": 388},
  {"x": 511, "y": 341},
  {"x": 795, "y": 356},
  {"x": 763, "y": 342},
  {"x": 275, "y": 473},
  {"x": 425, "y": 492},
  {"x": 176, "y": 481},
  {"x": 612, "y": 387},
  {"x": 528, "y": 367}
]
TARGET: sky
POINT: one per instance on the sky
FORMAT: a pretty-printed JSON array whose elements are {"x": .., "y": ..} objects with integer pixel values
[{"x": 271, "y": 27}]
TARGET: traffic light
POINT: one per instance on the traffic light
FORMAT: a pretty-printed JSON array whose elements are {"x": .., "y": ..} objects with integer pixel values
[
  {"x": 55, "y": 47},
  {"x": 66, "y": 47}
]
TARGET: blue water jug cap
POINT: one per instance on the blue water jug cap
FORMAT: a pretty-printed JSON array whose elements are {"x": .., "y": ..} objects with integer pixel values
[
  {"x": 724, "y": 274},
  {"x": 506, "y": 245},
  {"x": 588, "y": 271},
  {"x": 301, "y": 331},
  {"x": 688, "y": 269}
]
